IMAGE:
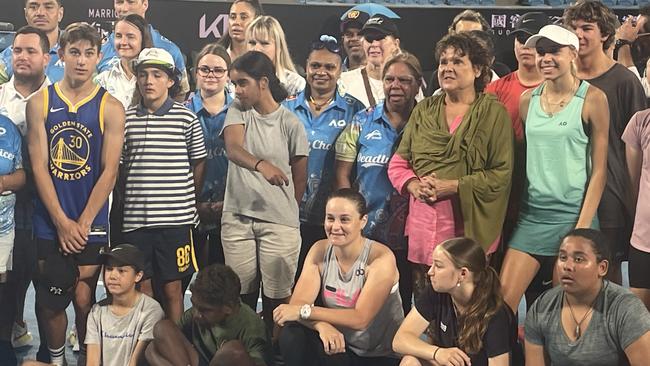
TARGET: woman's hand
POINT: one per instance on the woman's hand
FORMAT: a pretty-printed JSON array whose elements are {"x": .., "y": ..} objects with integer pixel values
[
  {"x": 452, "y": 357},
  {"x": 443, "y": 188},
  {"x": 286, "y": 313},
  {"x": 422, "y": 190},
  {"x": 333, "y": 340},
  {"x": 272, "y": 174}
]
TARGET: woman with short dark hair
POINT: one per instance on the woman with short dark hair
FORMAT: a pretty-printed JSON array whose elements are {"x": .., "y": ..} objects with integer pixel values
[{"x": 455, "y": 158}]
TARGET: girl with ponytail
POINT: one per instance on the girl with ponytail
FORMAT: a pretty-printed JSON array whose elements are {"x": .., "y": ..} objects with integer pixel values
[
  {"x": 267, "y": 150},
  {"x": 462, "y": 311}
]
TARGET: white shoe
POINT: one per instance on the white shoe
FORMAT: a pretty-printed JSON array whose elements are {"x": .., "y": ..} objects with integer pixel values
[
  {"x": 73, "y": 340},
  {"x": 20, "y": 336}
]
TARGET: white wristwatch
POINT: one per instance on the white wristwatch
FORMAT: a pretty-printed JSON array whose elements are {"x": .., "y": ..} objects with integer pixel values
[{"x": 305, "y": 311}]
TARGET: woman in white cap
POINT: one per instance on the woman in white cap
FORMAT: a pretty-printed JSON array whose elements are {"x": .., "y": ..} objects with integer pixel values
[
  {"x": 566, "y": 124},
  {"x": 131, "y": 37}
]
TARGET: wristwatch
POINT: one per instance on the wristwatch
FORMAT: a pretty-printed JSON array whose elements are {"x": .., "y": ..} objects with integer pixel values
[
  {"x": 622, "y": 42},
  {"x": 305, "y": 311}
]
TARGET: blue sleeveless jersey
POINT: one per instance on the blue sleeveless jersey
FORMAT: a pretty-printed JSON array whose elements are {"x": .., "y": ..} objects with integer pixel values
[{"x": 75, "y": 138}]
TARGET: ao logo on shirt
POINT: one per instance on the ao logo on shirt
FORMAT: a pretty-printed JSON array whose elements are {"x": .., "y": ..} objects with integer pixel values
[
  {"x": 3, "y": 131},
  {"x": 69, "y": 150},
  {"x": 338, "y": 124}
]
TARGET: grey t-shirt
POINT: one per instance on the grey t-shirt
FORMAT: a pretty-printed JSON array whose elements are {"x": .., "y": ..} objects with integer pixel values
[
  {"x": 625, "y": 97},
  {"x": 117, "y": 336},
  {"x": 277, "y": 138},
  {"x": 619, "y": 318}
]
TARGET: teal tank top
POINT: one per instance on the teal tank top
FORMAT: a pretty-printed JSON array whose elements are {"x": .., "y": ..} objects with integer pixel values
[{"x": 558, "y": 160}]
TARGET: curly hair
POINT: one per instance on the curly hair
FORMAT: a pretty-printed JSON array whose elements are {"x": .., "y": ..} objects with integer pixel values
[
  {"x": 217, "y": 285},
  {"x": 486, "y": 300},
  {"x": 593, "y": 12},
  {"x": 468, "y": 44}
]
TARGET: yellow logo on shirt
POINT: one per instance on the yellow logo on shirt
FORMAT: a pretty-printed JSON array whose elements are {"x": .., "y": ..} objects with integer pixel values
[{"x": 69, "y": 150}]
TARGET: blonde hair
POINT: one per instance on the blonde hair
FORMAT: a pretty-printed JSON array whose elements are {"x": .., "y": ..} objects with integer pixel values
[{"x": 267, "y": 27}]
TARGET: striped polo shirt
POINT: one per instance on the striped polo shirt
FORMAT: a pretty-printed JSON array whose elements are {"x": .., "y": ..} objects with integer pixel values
[{"x": 158, "y": 150}]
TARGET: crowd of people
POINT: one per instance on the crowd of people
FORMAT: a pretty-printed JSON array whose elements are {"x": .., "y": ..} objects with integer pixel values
[{"x": 371, "y": 216}]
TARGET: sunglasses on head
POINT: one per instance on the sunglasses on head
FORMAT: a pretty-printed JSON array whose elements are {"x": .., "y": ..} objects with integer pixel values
[
  {"x": 327, "y": 42},
  {"x": 371, "y": 37}
]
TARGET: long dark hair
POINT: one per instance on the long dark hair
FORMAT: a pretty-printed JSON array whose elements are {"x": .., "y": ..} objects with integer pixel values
[
  {"x": 486, "y": 299},
  {"x": 258, "y": 65},
  {"x": 226, "y": 41}
]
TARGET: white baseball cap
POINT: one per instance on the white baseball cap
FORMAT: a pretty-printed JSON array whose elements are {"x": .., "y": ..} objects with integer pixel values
[
  {"x": 156, "y": 57},
  {"x": 555, "y": 33}
]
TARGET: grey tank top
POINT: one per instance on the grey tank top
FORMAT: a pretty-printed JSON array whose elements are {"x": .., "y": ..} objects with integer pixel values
[{"x": 341, "y": 291}]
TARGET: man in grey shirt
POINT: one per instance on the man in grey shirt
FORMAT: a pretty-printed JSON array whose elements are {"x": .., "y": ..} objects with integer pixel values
[{"x": 267, "y": 148}]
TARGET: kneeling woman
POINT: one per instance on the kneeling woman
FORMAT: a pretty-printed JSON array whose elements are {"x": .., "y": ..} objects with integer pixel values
[
  {"x": 463, "y": 308},
  {"x": 357, "y": 280},
  {"x": 587, "y": 320}
]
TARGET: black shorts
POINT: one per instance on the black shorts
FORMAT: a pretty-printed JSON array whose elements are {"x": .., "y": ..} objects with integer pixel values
[
  {"x": 168, "y": 251},
  {"x": 639, "y": 269},
  {"x": 89, "y": 255},
  {"x": 543, "y": 280},
  {"x": 618, "y": 239}
]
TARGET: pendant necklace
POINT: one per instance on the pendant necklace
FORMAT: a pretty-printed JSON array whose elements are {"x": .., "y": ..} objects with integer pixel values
[
  {"x": 319, "y": 106},
  {"x": 563, "y": 101},
  {"x": 577, "y": 332}
]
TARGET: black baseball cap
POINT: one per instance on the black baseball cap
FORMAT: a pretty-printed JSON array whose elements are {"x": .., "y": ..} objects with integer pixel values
[
  {"x": 57, "y": 283},
  {"x": 124, "y": 255},
  {"x": 354, "y": 18},
  {"x": 381, "y": 24},
  {"x": 531, "y": 23}
]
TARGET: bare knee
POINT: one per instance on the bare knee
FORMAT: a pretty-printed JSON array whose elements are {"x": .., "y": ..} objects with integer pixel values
[
  {"x": 163, "y": 328},
  {"x": 410, "y": 361},
  {"x": 231, "y": 353}
]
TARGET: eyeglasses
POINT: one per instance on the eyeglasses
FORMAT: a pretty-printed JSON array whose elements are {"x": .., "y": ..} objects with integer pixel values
[
  {"x": 371, "y": 37},
  {"x": 205, "y": 71},
  {"x": 402, "y": 80},
  {"x": 552, "y": 49},
  {"x": 522, "y": 37},
  {"x": 327, "y": 42}
]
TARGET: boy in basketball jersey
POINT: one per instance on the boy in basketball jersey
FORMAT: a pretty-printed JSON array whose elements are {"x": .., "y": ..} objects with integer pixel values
[{"x": 75, "y": 135}]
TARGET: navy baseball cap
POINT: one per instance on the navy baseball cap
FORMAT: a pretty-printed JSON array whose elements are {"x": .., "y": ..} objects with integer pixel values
[
  {"x": 125, "y": 255},
  {"x": 57, "y": 283},
  {"x": 381, "y": 24},
  {"x": 354, "y": 18}
]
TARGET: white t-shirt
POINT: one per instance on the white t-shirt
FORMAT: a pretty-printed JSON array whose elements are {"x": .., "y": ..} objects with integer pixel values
[
  {"x": 13, "y": 105},
  {"x": 352, "y": 84},
  {"x": 118, "y": 84},
  {"x": 116, "y": 335}
]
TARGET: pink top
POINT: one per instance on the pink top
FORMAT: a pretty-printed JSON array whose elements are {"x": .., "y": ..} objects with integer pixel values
[
  {"x": 637, "y": 136},
  {"x": 428, "y": 225}
]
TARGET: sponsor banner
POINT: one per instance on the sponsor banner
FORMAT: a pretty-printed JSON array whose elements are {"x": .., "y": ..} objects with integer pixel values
[{"x": 192, "y": 24}]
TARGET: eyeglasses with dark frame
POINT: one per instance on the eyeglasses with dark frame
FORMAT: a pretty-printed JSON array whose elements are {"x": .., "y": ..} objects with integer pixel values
[{"x": 205, "y": 71}]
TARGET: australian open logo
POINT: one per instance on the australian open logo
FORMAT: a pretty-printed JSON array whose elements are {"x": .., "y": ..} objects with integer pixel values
[{"x": 69, "y": 150}]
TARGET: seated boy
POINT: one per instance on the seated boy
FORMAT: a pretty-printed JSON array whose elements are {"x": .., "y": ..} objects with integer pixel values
[
  {"x": 217, "y": 330},
  {"x": 120, "y": 326}
]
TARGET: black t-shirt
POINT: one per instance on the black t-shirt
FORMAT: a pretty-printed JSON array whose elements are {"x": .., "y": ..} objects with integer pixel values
[
  {"x": 438, "y": 309},
  {"x": 625, "y": 97}
]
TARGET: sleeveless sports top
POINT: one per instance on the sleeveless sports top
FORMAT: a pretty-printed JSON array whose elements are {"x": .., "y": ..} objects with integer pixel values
[
  {"x": 75, "y": 138},
  {"x": 558, "y": 160},
  {"x": 341, "y": 291}
]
